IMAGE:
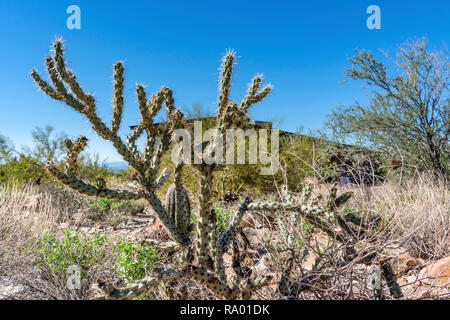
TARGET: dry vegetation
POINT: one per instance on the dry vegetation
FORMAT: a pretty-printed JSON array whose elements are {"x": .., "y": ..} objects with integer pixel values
[{"x": 303, "y": 261}]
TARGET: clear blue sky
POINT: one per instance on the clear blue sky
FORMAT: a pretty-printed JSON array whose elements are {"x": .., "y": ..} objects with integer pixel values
[{"x": 302, "y": 47}]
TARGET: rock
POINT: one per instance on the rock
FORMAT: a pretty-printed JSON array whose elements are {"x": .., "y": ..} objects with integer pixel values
[
  {"x": 9, "y": 289},
  {"x": 406, "y": 280},
  {"x": 263, "y": 267},
  {"x": 309, "y": 262},
  {"x": 404, "y": 263},
  {"x": 437, "y": 274}
]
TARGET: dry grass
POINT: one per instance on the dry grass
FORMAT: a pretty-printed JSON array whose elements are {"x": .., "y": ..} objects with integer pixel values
[
  {"x": 416, "y": 216},
  {"x": 27, "y": 212},
  {"x": 418, "y": 210}
]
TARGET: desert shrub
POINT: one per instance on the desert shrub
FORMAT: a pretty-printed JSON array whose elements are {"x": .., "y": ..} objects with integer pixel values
[
  {"x": 134, "y": 260},
  {"x": 22, "y": 169},
  {"x": 6, "y": 149},
  {"x": 104, "y": 205},
  {"x": 223, "y": 218},
  {"x": 74, "y": 248},
  {"x": 296, "y": 157},
  {"x": 114, "y": 219},
  {"x": 407, "y": 116}
]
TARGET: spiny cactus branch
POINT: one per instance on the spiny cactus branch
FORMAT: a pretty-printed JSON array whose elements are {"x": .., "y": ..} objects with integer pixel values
[
  {"x": 205, "y": 224},
  {"x": 90, "y": 190},
  {"x": 313, "y": 213},
  {"x": 117, "y": 100},
  {"x": 67, "y": 76},
  {"x": 73, "y": 150},
  {"x": 140, "y": 287},
  {"x": 225, "y": 81},
  {"x": 230, "y": 234}
]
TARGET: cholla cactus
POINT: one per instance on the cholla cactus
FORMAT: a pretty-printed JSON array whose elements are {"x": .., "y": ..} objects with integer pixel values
[
  {"x": 204, "y": 249},
  {"x": 178, "y": 204}
]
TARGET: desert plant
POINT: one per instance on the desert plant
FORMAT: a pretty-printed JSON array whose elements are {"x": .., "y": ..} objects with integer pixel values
[
  {"x": 6, "y": 149},
  {"x": 408, "y": 114},
  {"x": 201, "y": 251},
  {"x": 134, "y": 260},
  {"x": 75, "y": 248}
]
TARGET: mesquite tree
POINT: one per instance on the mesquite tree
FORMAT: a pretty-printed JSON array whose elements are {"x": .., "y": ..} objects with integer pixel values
[
  {"x": 408, "y": 116},
  {"x": 201, "y": 247}
]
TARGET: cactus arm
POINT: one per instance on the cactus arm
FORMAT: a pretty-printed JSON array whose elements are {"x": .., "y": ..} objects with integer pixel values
[
  {"x": 59, "y": 87},
  {"x": 209, "y": 280},
  {"x": 225, "y": 80},
  {"x": 140, "y": 287},
  {"x": 205, "y": 224},
  {"x": 157, "y": 155},
  {"x": 231, "y": 232},
  {"x": 389, "y": 276},
  {"x": 253, "y": 87},
  {"x": 67, "y": 76},
  {"x": 90, "y": 190},
  {"x": 135, "y": 134},
  {"x": 73, "y": 150},
  {"x": 117, "y": 100},
  {"x": 161, "y": 179},
  {"x": 45, "y": 87},
  {"x": 131, "y": 141},
  {"x": 254, "y": 97},
  {"x": 216, "y": 254},
  {"x": 109, "y": 292},
  {"x": 127, "y": 155},
  {"x": 153, "y": 107},
  {"x": 312, "y": 213},
  {"x": 81, "y": 102}
]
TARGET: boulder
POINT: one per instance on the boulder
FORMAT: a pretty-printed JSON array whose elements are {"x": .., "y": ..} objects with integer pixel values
[{"x": 437, "y": 274}]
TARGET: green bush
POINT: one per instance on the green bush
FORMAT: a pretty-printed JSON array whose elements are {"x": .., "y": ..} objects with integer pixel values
[
  {"x": 134, "y": 260},
  {"x": 75, "y": 248},
  {"x": 22, "y": 169},
  {"x": 104, "y": 205},
  {"x": 223, "y": 217}
]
